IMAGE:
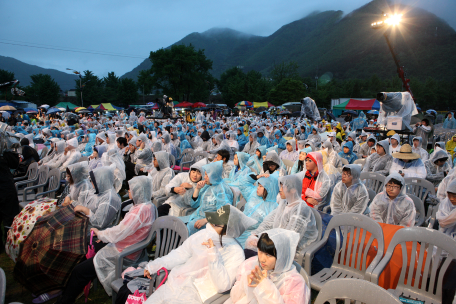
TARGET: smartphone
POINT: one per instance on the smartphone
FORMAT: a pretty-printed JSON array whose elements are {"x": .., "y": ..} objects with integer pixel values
[{"x": 400, "y": 171}]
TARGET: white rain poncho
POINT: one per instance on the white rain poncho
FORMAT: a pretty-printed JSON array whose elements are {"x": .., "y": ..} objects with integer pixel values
[
  {"x": 257, "y": 207},
  {"x": 232, "y": 140},
  {"x": 251, "y": 146},
  {"x": 157, "y": 146},
  {"x": 283, "y": 285},
  {"x": 72, "y": 156},
  {"x": 112, "y": 141},
  {"x": 397, "y": 104},
  {"x": 292, "y": 214},
  {"x": 333, "y": 156},
  {"x": 80, "y": 175},
  {"x": 59, "y": 150},
  {"x": 400, "y": 211},
  {"x": 291, "y": 156},
  {"x": 162, "y": 175},
  {"x": 442, "y": 190},
  {"x": 420, "y": 151},
  {"x": 379, "y": 164},
  {"x": 273, "y": 157},
  {"x": 143, "y": 159},
  {"x": 198, "y": 272},
  {"x": 309, "y": 109},
  {"x": 133, "y": 118},
  {"x": 446, "y": 215},
  {"x": 240, "y": 171},
  {"x": 179, "y": 202},
  {"x": 103, "y": 201},
  {"x": 134, "y": 228},
  {"x": 169, "y": 146},
  {"x": 112, "y": 157},
  {"x": 321, "y": 187},
  {"x": 435, "y": 174},
  {"x": 96, "y": 162},
  {"x": 398, "y": 147},
  {"x": 365, "y": 149},
  {"x": 414, "y": 168},
  {"x": 352, "y": 199},
  {"x": 101, "y": 138},
  {"x": 211, "y": 197},
  {"x": 315, "y": 138}
]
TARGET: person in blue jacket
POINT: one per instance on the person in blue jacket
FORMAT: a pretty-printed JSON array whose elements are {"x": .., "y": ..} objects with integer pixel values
[
  {"x": 359, "y": 123},
  {"x": 347, "y": 152},
  {"x": 88, "y": 149},
  {"x": 279, "y": 141},
  {"x": 261, "y": 139},
  {"x": 241, "y": 138},
  {"x": 450, "y": 122}
]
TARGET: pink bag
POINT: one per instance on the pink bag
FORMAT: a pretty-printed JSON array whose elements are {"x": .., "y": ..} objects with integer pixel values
[
  {"x": 136, "y": 298},
  {"x": 90, "y": 253}
]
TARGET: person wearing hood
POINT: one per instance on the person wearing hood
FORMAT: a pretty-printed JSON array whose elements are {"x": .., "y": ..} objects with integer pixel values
[
  {"x": 101, "y": 203},
  {"x": 352, "y": 137},
  {"x": 95, "y": 158},
  {"x": 417, "y": 148},
  {"x": 261, "y": 138},
  {"x": 450, "y": 122},
  {"x": 111, "y": 141},
  {"x": 393, "y": 206},
  {"x": 78, "y": 178},
  {"x": 260, "y": 200},
  {"x": 255, "y": 162},
  {"x": 175, "y": 139},
  {"x": 335, "y": 144},
  {"x": 437, "y": 167},
  {"x": 271, "y": 277},
  {"x": 180, "y": 190},
  {"x": 381, "y": 161},
  {"x": 359, "y": 123},
  {"x": 112, "y": 157},
  {"x": 206, "y": 263},
  {"x": 241, "y": 138},
  {"x": 279, "y": 141},
  {"x": 209, "y": 195},
  {"x": 251, "y": 147},
  {"x": 394, "y": 144},
  {"x": 160, "y": 173},
  {"x": 440, "y": 145},
  {"x": 290, "y": 152},
  {"x": 316, "y": 183},
  {"x": 28, "y": 156},
  {"x": 408, "y": 163},
  {"x": 314, "y": 136},
  {"x": 143, "y": 157},
  {"x": 52, "y": 152},
  {"x": 134, "y": 228},
  {"x": 366, "y": 150},
  {"x": 300, "y": 163},
  {"x": 239, "y": 170},
  {"x": 232, "y": 142},
  {"x": 272, "y": 165},
  {"x": 347, "y": 152},
  {"x": 423, "y": 130},
  {"x": 168, "y": 146},
  {"x": 88, "y": 149},
  {"x": 333, "y": 156},
  {"x": 451, "y": 145},
  {"x": 350, "y": 194},
  {"x": 292, "y": 214}
]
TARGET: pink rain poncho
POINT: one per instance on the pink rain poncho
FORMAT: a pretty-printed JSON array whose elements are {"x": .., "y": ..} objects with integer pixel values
[{"x": 134, "y": 228}]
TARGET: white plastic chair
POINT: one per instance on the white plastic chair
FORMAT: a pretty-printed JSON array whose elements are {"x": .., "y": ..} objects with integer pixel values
[
  {"x": 419, "y": 206},
  {"x": 37, "y": 183},
  {"x": 289, "y": 164},
  {"x": 52, "y": 183},
  {"x": 372, "y": 180},
  {"x": 344, "y": 161},
  {"x": 421, "y": 188},
  {"x": 299, "y": 258},
  {"x": 361, "y": 162}
]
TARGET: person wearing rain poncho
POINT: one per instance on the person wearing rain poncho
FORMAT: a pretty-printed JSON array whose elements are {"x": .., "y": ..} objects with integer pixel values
[
  {"x": 232, "y": 142},
  {"x": 78, "y": 181},
  {"x": 260, "y": 200},
  {"x": 446, "y": 215},
  {"x": 134, "y": 228},
  {"x": 168, "y": 146},
  {"x": 290, "y": 152},
  {"x": 381, "y": 161},
  {"x": 451, "y": 145},
  {"x": 239, "y": 170},
  {"x": 271, "y": 277},
  {"x": 335, "y": 144},
  {"x": 241, "y": 138},
  {"x": 209, "y": 194},
  {"x": 350, "y": 194},
  {"x": 366, "y": 149},
  {"x": 291, "y": 214},
  {"x": 450, "y": 122},
  {"x": 333, "y": 156},
  {"x": 206, "y": 263},
  {"x": 314, "y": 136},
  {"x": 279, "y": 141},
  {"x": 309, "y": 109},
  {"x": 300, "y": 163},
  {"x": 347, "y": 152},
  {"x": 416, "y": 148},
  {"x": 251, "y": 147},
  {"x": 69, "y": 157},
  {"x": 112, "y": 157},
  {"x": 359, "y": 123},
  {"x": 393, "y": 206},
  {"x": 143, "y": 157},
  {"x": 101, "y": 203},
  {"x": 423, "y": 130},
  {"x": 437, "y": 167},
  {"x": 88, "y": 149},
  {"x": 352, "y": 137},
  {"x": 394, "y": 144},
  {"x": 180, "y": 190},
  {"x": 408, "y": 163},
  {"x": 160, "y": 173},
  {"x": 261, "y": 138},
  {"x": 95, "y": 158},
  {"x": 255, "y": 162},
  {"x": 52, "y": 153},
  {"x": 111, "y": 141}
]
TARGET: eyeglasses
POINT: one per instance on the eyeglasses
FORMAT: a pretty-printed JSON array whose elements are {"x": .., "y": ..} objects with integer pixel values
[{"x": 393, "y": 187}]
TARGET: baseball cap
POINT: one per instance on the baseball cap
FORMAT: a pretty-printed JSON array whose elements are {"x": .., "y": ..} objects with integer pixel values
[{"x": 220, "y": 217}]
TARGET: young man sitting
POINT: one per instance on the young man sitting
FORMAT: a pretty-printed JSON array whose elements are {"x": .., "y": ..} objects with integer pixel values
[
  {"x": 290, "y": 153},
  {"x": 225, "y": 156}
]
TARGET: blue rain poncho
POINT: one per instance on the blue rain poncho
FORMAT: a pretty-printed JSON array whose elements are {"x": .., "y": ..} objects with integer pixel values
[
  {"x": 279, "y": 141},
  {"x": 239, "y": 171},
  {"x": 450, "y": 122},
  {"x": 295, "y": 169},
  {"x": 88, "y": 149},
  {"x": 211, "y": 197},
  {"x": 350, "y": 156},
  {"x": 261, "y": 138},
  {"x": 257, "y": 207},
  {"x": 241, "y": 139},
  {"x": 255, "y": 163},
  {"x": 359, "y": 123}
]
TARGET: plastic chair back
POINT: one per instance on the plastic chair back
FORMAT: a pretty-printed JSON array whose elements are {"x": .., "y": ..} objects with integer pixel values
[
  {"x": 354, "y": 291},
  {"x": 360, "y": 162},
  {"x": 419, "y": 206},
  {"x": 419, "y": 187},
  {"x": 43, "y": 174},
  {"x": 303, "y": 273},
  {"x": 172, "y": 161},
  {"x": 344, "y": 161},
  {"x": 432, "y": 242},
  {"x": 53, "y": 182},
  {"x": 318, "y": 221},
  {"x": 373, "y": 181},
  {"x": 32, "y": 172},
  {"x": 170, "y": 232},
  {"x": 43, "y": 152},
  {"x": 199, "y": 156}
]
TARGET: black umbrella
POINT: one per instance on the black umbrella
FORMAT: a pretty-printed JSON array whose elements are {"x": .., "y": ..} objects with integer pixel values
[
  {"x": 350, "y": 112},
  {"x": 84, "y": 111},
  {"x": 209, "y": 106},
  {"x": 261, "y": 109},
  {"x": 19, "y": 111}
]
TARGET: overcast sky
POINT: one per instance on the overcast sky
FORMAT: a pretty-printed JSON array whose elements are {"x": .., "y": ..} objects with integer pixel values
[{"x": 135, "y": 27}]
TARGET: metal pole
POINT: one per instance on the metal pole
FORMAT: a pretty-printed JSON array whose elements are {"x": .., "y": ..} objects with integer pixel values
[
  {"x": 143, "y": 95},
  {"x": 80, "y": 86}
]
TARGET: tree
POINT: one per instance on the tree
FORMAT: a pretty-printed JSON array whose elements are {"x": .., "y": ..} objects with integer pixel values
[
  {"x": 145, "y": 82},
  {"x": 284, "y": 70},
  {"x": 92, "y": 88},
  {"x": 111, "y": 86},
  {"x": 180, "y": 71},
  {"x": 43, "y": 89},
  {"x": 127, "y": 91},
  {"x": 6, "y": 76},
  {"x": 288, "y": 90}
]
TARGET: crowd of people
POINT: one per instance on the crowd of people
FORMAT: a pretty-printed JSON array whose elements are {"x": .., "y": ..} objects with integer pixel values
[{"x": 282, "y": 168}]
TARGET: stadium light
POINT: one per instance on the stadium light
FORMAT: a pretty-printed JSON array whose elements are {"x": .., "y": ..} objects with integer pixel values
[{"x": 387, "y": 20}]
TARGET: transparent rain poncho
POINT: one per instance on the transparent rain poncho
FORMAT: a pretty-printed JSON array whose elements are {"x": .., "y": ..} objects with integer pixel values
[
  {"x": 59, "y": 150},
  {"x": 365, "y": 149},
  {"x": 309, "y": 109},
  {"x": 179, "y": 202},
  {"x": 255, "y": 163},
  {"x": 88, "y": 149},
  {"x": 291, "y": 214},
  {"x": 143, "y": 159},
  {"x": 284, "y": 284},
  {"x": 300, "y": 165},
  {"x": 211, "y": 197},
  {"x": 379, "y": 164},
  {"x": 398, "y": 147},
  {"x": 446, "y": 215},
  {"x": 103, "y": 201},
  {"x": 198, "y": 272},
  {"x": 169, "y": 146},
  {"x": 96, "y": 162},
  {"x": 279, "y": 142},
  {"x": 315, "y": 138},
  {"x": 400, "y": 211},
  {"x": 435, "y": 174},
  {"x": 257, "y": 207},
  {"x": 420, "y": 151},
  {"x": 237, "y": 172},
  {"x": 397, "y": 104},
  {"x": 352, "y": 199},
  {"x": 322, "y": 186},
  {"x": 414, "y": 168},
  {"x": 72, "y": 156},
  {"x": 333, "y": 156},
  {"x": 291, "y": 156},
  {"x": 450, "y": 123},
  {"x": 442, "y": 190},
  {"x": 134, "y": 228},
  {"x": 112, "y": 141},
  {"x": 112, "y": 157},
  {"x": 251, "y": 147},
  {"x": 80, "y": 175},
  {"x": 162, "y": 175},
  {"x": 232, "y": 140},
  {"x": 101, "y": 138}
]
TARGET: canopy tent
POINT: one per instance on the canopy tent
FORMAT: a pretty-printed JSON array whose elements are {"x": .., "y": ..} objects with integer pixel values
[
  {"x": 64, "y": 104},
  {"x": 260, "y": 104},
  {"x": 356, "y": 104},
  {"x": 106, "y": 107},
  {"x": 183, "y": 104}
]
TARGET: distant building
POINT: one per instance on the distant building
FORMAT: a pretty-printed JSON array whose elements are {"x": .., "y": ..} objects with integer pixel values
[{"x": 71, "y": 93}]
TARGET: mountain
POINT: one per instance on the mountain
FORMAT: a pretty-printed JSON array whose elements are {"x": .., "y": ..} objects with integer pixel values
[
  {"x": 344, "y": 45},
  {"x": 23, "y": 71}
]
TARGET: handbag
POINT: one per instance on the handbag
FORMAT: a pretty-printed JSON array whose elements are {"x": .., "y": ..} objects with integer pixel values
[
  {"x": 90, "y": 253},
  {"x": 136, "y": 298}
]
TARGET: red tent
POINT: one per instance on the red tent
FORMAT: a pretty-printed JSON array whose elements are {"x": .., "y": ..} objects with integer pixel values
[
  {"x": 184, "y": 104},
  {"x": 198, "y": 105},
  {"x": 270, "y": 105},
  {"x": 355, "y": 104}
]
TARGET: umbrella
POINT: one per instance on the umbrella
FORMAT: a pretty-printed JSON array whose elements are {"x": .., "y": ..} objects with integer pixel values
[
  {"x": 212, "y": 106},
  {"x": 79, "y": 109},
  {"x": 350, "y": 112},
  {"x": 244, "y": 103},
  {"x": 260, "y": 109},
  {"x": 57, "y": 243},
  {"x": 7, "y": 108},
  {"x": 19, "y": 111},
  {"x": 430, "y": 111},
  {"x": 375, "y": 112},
  {"x": 63, "y": 109},
  {"x": 198, "y": 105},
  {"x": 184, "y": 104},
  {"x": 53, "y": 110},
  {"x": 84, "y": 111},
  {"x": 44, "y": 106}
]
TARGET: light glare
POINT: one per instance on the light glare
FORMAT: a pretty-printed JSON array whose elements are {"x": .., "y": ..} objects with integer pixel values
[{"x": 394, "y": 20}]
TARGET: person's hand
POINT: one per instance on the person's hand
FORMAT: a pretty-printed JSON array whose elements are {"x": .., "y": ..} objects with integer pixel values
[
  {"x": 200, "y": 223},
  {"x": 402, "y": 174},
  {"x": 66, "y": 201},
  {"x": 256, "y": 276},
  {"x": 200, "y": 184},
  {"x": 142, "y": 146},
  {"x": 275, "y": 144},
  {"x": 264, "y": 157},
  {"x": 82, "y": 209},
  {"x": 95, "y": 231},
  {"x": 186, "y": 185},
  {"x": 179, "y": 190},
  {"x": 209, "y": 243},
  {"x": 147, "y": 274},
  {"x": 364, "y": 156},
  {"x": 312, "y": 201}
]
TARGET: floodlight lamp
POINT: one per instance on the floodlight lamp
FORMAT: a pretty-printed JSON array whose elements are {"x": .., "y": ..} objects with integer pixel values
[{"x": 394, "y": 20}]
